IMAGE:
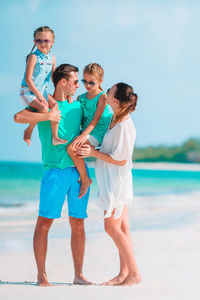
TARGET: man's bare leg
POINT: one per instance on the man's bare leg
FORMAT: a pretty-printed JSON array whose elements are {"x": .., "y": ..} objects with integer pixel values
[
  {"x": 40, "y": 248},
  {"x": 80, "y": 165},
  {"x": 78, "y": 249}
]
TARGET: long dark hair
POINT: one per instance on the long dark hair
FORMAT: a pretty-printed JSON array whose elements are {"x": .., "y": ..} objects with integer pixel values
[
  {"x": 127, "y": 99},
  {"x": 40, "y": 29}
]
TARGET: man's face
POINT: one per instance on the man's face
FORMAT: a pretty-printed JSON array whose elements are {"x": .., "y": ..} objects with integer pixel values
[{"x": 72, "y": 84}]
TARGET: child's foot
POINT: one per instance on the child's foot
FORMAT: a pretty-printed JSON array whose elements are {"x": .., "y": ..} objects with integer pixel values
[
  {"x": 85, "y": 186},
  {"x": 130, "y": 280},
  {"x": 42, "y": 281},
  {"x": 116, "y": 280},
  {"x": 58, "y": 141},
  {"x": 27, "y": 136}
]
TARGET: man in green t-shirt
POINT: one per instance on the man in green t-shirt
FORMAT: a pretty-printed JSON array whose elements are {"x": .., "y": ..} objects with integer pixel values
[{"x": 61, "y": 178}]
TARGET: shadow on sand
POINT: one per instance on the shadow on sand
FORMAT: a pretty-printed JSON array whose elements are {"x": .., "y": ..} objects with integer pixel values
[{"x": 33, "y": 283}]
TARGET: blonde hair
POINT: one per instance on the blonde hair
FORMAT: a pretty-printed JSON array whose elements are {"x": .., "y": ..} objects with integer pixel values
[
  {"x": 41, "y": 29},
  {"x": 96, "y": 70}
]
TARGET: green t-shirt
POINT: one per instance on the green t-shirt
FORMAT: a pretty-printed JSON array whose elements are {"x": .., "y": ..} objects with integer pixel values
[
  {"x": 89, "y": 107},
  {"x": 69, "y": 128}
]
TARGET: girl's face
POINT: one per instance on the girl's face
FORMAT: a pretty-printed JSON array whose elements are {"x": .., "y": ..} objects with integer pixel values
[
  {"x": 44, "y": 41},
  {"x": 91, "y": 82}
]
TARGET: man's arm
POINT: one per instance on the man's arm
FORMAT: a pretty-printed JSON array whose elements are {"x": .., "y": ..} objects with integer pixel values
[{"x": 28, "y": 116}]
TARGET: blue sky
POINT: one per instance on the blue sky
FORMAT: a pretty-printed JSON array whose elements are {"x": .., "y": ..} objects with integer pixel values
[{"x": 152, "y": 45}]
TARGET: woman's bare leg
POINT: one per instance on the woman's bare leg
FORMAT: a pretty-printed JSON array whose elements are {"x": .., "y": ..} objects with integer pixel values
[
  {"x": 80, "y": 165},
  {"x": 114, "y": 228},
  {"x": 123, "y": 272}
]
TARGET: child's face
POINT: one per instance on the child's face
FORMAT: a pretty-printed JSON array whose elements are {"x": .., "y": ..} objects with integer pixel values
[
  {"x": 91, "y": 82},
  {"x": 44, "y": 41}
]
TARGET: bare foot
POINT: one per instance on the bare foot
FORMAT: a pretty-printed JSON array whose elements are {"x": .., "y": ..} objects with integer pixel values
[
  {"x": 58, "y": 141},
  {"x": 85, "y": 186},
  {"x": 43, "y": 282},
  {"x": 130, "y": 280},
  {"x": 116, "y": 280},
  {"x": 27, "y": 135},
  {"x": 81, "y": 280}
]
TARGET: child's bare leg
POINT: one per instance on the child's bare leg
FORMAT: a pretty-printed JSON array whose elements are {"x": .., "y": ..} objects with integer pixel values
[
  {"x": 114, "y": 228},
  {"x": 55, "y": 139},
  {"x": 41, "y": 107},
  {"x": 80, "y": 165},
  {"x": 54, "y": 126},
  {"x": 28, "y": 132}
]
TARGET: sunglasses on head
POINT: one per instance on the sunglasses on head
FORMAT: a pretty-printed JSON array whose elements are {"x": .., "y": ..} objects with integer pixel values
[
  {"x": 39, "y": 41},
  {"x": 88, "y": 82}
]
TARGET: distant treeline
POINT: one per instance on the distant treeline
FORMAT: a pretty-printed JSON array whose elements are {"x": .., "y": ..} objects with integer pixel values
[{"x": 187, "y": 152}]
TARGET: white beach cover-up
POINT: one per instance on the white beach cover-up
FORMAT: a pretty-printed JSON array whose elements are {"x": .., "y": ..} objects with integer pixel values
[{"x": 115, "y": 182}]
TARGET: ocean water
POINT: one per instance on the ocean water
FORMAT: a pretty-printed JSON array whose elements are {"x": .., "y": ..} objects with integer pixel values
[{"x": 20, "y": 185}]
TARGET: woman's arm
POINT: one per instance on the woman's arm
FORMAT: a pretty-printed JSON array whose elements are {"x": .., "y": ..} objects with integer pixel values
[
  {"x": 87, "y": 150},
  {"x": 28, "y": 77},
  {"x": 100, "y": 109}
]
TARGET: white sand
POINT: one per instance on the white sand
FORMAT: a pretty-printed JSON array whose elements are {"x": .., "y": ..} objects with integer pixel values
[
  {"x": 167, "y": 166},
  {"x": 162, "y": 166},
  {"x": 168, "y": 259}
]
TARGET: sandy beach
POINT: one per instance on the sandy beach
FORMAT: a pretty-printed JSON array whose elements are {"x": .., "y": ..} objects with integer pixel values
[{"x": 165, "y": 239}]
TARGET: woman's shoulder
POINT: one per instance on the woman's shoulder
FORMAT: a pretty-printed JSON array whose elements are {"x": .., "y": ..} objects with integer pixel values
[{"x": 126, "y": 125}]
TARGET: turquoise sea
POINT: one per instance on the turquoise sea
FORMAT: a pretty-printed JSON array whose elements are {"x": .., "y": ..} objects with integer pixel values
[{"x": 20, "y": 185}]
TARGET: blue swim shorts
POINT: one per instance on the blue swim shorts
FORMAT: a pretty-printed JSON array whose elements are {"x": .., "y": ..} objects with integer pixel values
[{"x": 56, "y": 184}]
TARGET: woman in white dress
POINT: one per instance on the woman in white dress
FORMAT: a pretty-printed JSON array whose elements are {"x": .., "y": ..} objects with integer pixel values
[{"x": 114, "y": 179}]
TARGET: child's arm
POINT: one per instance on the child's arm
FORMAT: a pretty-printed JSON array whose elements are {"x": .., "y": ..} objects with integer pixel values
[
  {"x": 87, "y": 150},
  {"x": 52, "y": 102},
  {"x": 28, "y": 77},
  {"x": 53, "y": 66},
  {"x": 100, "y": 109}
]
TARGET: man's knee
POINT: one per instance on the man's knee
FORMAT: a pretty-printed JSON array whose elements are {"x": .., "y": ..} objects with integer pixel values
[
  {"x": 77, "y": 225},
  {"x": 43, "y": 224}
]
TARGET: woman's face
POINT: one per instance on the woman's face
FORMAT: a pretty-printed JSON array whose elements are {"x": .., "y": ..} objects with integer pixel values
[{"x": 110, "y": 97}]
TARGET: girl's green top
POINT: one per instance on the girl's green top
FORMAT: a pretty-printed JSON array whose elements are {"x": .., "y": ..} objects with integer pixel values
[{"x": 89, "y": 107}]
